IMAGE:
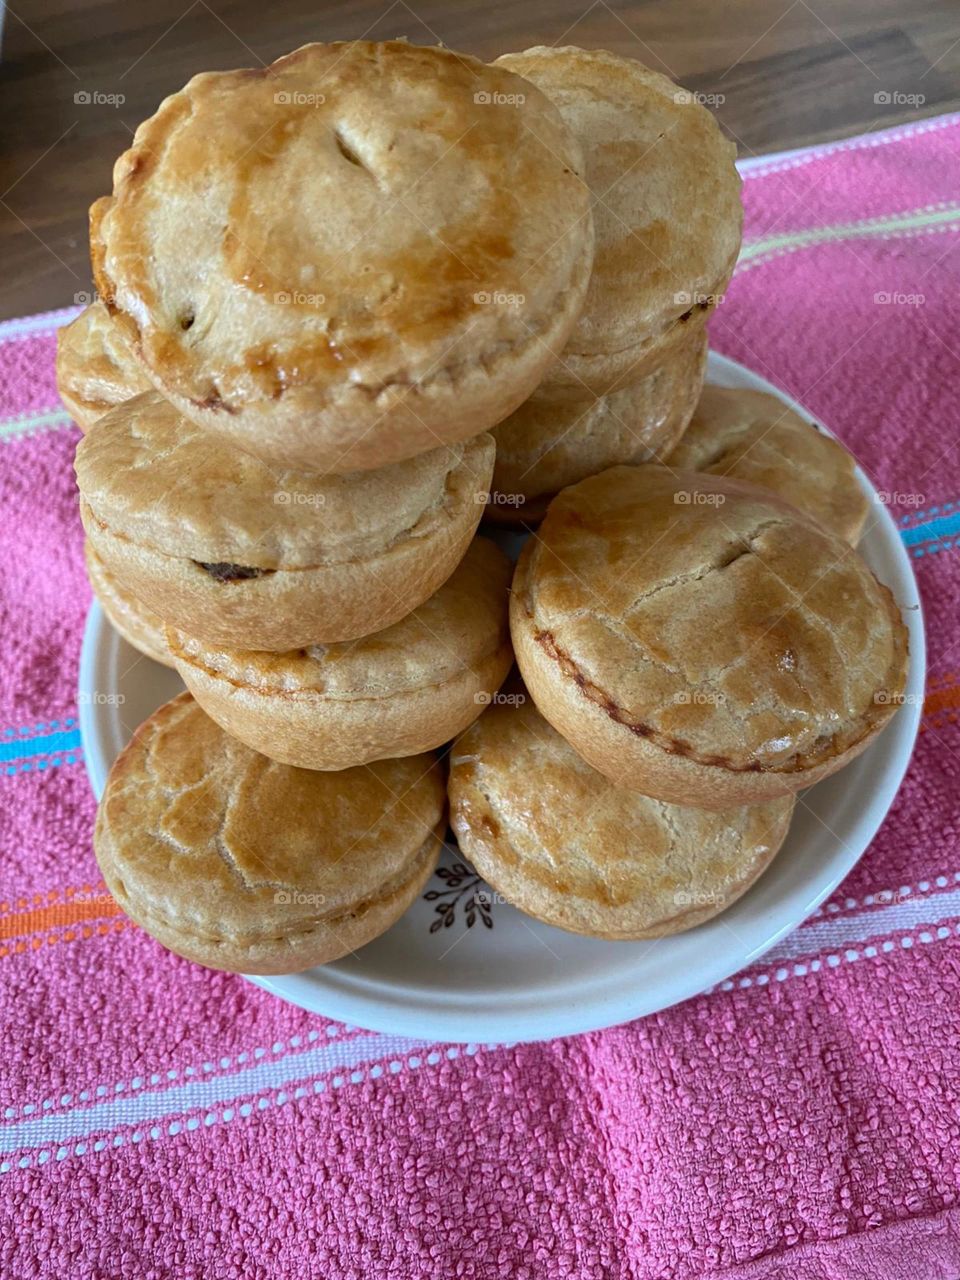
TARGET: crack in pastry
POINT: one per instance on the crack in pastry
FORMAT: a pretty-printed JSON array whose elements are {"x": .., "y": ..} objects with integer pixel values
[
  {"x": 397, "y": 888},
  {"x": 221, "y": 571},
  {"x": 742, "y": 544}
]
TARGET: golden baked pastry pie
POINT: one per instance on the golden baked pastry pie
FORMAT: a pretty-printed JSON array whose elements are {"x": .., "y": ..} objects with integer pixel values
[
  {"x": 569, "y": 847},
  {"x": 138, "y": 625},
  {"x": 667, "y": 210},
  {"x": 349, "y": 257},
  {"x": 551, "y": 442},
  {"x": 243, "y": 864},
  {"x": 407, "y": 689},
  {"x": 750, "y": 435},
  {"x": 240, "y": 553},
  {"x": 700, "y": 640},
  {"x": 95, "y": 368}
]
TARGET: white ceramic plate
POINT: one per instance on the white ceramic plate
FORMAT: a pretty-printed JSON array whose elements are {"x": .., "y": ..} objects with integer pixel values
[{"x": 507, "y": 977}]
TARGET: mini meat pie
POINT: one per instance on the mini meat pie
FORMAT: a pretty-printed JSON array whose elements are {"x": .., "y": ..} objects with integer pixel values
[
  {"x": 702, "y": 641},
  {"x": 667, "y": 211},
  {"x": 238, "y": 553},
  {"x": 551, "y": 442},
  {"x": 407, "y": 689},
  {"x": 564, "y": 844},
  {"x": 96, "y": 370},
  {"x": 749, "y": 435},
  {"x": 243, "y": 864},
  {"x": 351, "y": 256}
]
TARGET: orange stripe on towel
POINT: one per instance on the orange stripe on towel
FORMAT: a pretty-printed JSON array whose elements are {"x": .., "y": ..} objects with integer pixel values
[
  {"x": 947, "y": 699},
  {"x": 60, "y": 915}
]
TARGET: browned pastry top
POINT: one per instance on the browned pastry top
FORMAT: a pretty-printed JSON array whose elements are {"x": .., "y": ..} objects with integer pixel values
[
  {"x": 667, "y": 195},
  {"x": 340, "y": 219},
  {"x": 576, "y": 849},
  {"x": 713, "y": 619},
  {"x": 198, "y": 833},
  {"x": 750, "y": 435}
]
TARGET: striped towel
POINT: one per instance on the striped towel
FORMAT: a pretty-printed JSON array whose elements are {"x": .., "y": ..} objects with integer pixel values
[{"x": 800, "y": 1121}]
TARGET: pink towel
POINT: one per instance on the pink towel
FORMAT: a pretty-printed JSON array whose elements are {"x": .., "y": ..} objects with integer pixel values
[{"x": 800, "y": 1121}]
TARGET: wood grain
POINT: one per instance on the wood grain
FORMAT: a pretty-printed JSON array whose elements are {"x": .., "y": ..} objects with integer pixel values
[{"x": 780, "y": 74}]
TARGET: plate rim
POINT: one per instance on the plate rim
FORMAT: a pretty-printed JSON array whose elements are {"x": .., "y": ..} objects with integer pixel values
[{"x": 354, "y": 1000}]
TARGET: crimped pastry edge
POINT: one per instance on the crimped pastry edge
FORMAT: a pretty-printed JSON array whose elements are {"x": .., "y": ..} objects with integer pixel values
[
  {"x": 638, "y": 762},
  {"x": 340, "y": 733}
]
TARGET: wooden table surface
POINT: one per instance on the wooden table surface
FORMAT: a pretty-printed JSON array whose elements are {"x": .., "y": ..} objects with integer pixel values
[{"x": 78, "y": 76}]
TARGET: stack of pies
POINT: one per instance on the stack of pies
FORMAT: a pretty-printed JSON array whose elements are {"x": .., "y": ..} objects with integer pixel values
[
  {"x": 666, "y": 203},
  {"x": 350, "y": 305}
]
